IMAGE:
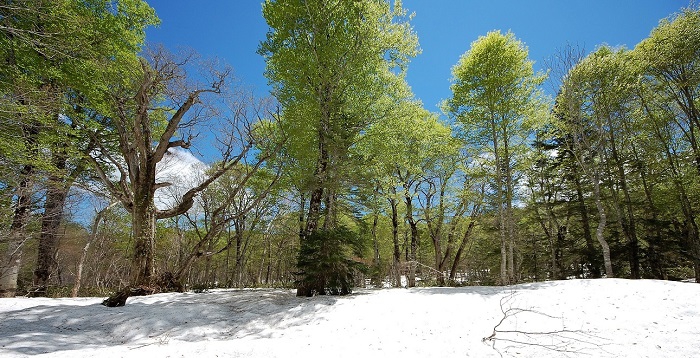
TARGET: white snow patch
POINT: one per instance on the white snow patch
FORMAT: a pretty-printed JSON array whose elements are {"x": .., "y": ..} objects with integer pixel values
[{"x": 585, "y": 318}]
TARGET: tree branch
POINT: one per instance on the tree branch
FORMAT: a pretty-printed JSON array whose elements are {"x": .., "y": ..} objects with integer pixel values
[
  {"x": 188, "y": 197},
  {"x": 558, "y": 340}
]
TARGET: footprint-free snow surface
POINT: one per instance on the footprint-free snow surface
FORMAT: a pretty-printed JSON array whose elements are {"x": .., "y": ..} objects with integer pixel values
[{"x": 578, "y": 318}]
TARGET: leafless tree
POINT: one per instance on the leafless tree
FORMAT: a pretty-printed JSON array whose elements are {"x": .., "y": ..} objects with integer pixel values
[{"x": 163, "y": 101}]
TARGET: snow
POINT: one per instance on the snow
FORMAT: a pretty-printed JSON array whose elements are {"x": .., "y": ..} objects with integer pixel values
[{"x": 577, "y": 318}]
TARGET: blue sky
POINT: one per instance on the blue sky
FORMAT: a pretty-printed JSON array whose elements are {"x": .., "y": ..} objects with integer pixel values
[{"x": 232, "y": 29}]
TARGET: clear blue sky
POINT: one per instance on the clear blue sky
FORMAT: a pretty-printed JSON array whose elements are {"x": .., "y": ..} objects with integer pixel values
[{"x": 232, "y": 29}]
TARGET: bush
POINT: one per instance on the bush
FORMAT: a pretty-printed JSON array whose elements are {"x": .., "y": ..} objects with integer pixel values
[{"x": 325, "y": 262}]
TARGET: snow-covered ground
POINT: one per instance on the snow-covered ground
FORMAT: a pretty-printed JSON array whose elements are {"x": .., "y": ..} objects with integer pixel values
[{"x": 578, "y": 318}]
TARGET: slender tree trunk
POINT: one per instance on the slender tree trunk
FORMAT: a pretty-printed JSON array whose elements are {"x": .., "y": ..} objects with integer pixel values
[
  {"x": 460, "y": 250},
  {"x": 629, "y": 227},
  {"x": 412, "y": 258},
  {"x": 395, "y": 239},
  {"x": 451, "y": 235},
  {"x": 509, "y": 215},
  {"x": 83, "y": 256},
  {"x": 592, "y": 257},
  {"x": 240, "y": 250},
  {"x": 602, "y": 220},
  {"x": 378, "y": 274},
  {"x": 9, "y": 271},
  {"x": 502, "y": 234}
]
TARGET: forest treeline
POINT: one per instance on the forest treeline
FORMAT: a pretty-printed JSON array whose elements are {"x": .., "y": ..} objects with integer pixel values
[{"x": 341, "y": 177}]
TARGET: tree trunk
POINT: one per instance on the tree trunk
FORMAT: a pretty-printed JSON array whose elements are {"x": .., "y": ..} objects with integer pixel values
[
  {"x": 49, "y": 238},
  {"x": 629, "y": 228},
  {"x": 9, "y": 271},
  {"x": 13, "y": 260},
  {"x": 591, "y": 252},
  {"x": 502, "y": 234},
  {"x": 17, "y": 236},
  {"x": 377, "y": 274},
  {"x": 460, "y": 250},
  {"x": 602, "y": 220},
  {"x": 395, "y": 240},
  {"x": 239, "y": 225},
  {"x": 412, "y": 258},
  {"x": 143, "y": 271},
  {"x": 509, "y": 216},
  {"x": 83, "y": 256}
]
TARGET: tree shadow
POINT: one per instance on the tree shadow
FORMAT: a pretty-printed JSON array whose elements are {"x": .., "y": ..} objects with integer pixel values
[{"x": 223, "y": 314}]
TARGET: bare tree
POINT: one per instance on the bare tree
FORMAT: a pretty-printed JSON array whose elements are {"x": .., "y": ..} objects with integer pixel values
[{"x": 162, "y": 101}]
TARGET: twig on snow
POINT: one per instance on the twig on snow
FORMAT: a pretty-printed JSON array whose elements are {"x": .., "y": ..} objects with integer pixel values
[{"x": 562, "y": 340}]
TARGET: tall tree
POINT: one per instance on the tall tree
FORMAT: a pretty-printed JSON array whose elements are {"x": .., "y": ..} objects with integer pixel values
[
  {"x": 594, "y": 106},
  {"x": 494, "y": 93},
  {"x": 335, "y": 67},
  {"x": 53, "y": 56},
  {"x": 400, "y": 151},
  {"x": 670, "y": 65},
  {"x": 150, "y": 116}
]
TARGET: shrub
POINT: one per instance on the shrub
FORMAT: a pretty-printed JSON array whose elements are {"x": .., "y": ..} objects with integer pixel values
[{"x": 325, "y": 262}]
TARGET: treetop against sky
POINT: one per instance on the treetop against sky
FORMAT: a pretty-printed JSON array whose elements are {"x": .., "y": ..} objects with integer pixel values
[{"x": 232, "y": 30}]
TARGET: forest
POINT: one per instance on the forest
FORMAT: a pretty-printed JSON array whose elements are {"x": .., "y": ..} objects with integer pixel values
[{"x": 340, "y": 178}]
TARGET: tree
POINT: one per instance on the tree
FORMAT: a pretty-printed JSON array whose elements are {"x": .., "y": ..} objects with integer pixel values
[
  {"x": 670, "y": 73},
  {"x": 335, "y": 67},
  {"x": 576, "y": 105},
  {"x": 53, "y": 57},
  {"x": 494, "y": 94},
  {"x": 141, "y": 128},
  {"x": 235, "y": 201}
]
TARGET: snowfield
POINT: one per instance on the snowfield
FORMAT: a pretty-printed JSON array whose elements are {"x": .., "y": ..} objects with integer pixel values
[{"x": 578, "y": 318}]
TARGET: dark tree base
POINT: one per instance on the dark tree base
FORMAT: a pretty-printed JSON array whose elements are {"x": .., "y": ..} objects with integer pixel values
[
  {"x": 119, "y": 299},
  {"x": 167, "y": 282}
]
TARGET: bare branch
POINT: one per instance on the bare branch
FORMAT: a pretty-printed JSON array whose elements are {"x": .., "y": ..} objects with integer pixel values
[{"x": 561, "y": 340}]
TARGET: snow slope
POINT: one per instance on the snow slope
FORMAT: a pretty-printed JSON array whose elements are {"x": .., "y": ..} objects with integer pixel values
[{"x": 579, "y": 318}]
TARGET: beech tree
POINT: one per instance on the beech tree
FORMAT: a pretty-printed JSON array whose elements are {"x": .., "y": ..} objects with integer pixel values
[
  {"x": 595, "y": 109},
  {"x": 399, "y": 151},
  {"x": 150, "y": 116},
  {"x": 335, "y": 67},
  {"x": 669, "y": 95},
  {"x": 53, "y": 59},
  {"x": 494, "y": 93}
]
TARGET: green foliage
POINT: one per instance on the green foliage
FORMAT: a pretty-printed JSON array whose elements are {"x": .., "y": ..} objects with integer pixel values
[
  {"x": 335, "y": 67},
  {"x": 495, "y": 91},
  {"x": 410, "y": 140},
  {"x": 328, "y": 263}
]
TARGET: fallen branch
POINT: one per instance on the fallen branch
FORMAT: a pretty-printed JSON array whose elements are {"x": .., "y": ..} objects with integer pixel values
[{"x": 561, "y": 340}]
